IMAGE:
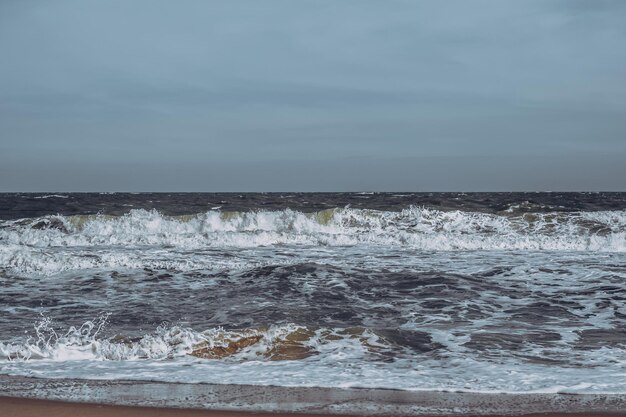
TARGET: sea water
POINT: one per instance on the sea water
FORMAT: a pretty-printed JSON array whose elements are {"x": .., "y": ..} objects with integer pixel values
[{"x": 465, "y": 292}]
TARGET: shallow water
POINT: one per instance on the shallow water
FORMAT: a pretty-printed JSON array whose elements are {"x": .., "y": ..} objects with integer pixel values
[{"x": 476, "y": 292}]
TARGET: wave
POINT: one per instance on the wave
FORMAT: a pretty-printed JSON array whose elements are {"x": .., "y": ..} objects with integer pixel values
[
  {"x": 273, "y": 343},
  {"x": 292, "y": 355},
  {"x": 51, "y": 196},
  {"x": 415, "y": 227}
]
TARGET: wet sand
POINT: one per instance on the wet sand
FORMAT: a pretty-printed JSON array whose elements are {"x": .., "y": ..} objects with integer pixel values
[
  {"x": 23, "y": 396},
  {"x": 26, "y": 407}
]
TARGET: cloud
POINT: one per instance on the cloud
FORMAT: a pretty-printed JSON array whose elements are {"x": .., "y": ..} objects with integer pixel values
[{"x": 242, "y": 83}]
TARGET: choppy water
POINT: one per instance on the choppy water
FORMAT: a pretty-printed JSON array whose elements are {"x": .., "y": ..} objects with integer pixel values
[{"x": 479, "y": 292}]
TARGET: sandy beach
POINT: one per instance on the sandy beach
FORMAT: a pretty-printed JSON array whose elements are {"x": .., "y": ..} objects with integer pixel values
[
  {"x": 21, "y": 396},
  {"x": 24, "y": 407}
]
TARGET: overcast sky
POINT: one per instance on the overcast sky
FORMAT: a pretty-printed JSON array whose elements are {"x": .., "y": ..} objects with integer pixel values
[{"x": 303, "y": 95}]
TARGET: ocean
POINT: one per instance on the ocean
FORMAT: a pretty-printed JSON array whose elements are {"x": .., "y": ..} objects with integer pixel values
[{"x": 470, "y": 292}]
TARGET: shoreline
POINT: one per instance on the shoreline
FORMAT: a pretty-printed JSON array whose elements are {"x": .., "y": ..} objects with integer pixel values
[{"x": 24, "y": 396}]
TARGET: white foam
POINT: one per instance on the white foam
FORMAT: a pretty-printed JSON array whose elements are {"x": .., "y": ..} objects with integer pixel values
[
  {"x": 52, "y": 196},
  {"x": 415, "y": 227},
  {"x": 149, "y": 239},
  {"x": 163, "y": 356},
  {"x": 166, "y": 342}
]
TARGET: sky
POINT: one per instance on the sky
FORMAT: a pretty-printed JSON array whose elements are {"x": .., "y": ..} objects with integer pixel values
[{"x": 337, "y": 95}]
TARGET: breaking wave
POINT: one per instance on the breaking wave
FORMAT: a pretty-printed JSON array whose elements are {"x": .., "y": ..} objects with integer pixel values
[
  {"x": 289, "y": 355},
  {"x": 415, "y": 227},
  {"x": 273, "y": 343}
]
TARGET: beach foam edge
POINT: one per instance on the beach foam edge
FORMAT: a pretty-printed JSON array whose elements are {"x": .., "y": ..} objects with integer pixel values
[{"x": 305, "y": 400}]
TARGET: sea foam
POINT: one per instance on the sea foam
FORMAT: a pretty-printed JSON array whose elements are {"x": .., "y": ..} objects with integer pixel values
[{"x": 416, "y": 227}]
